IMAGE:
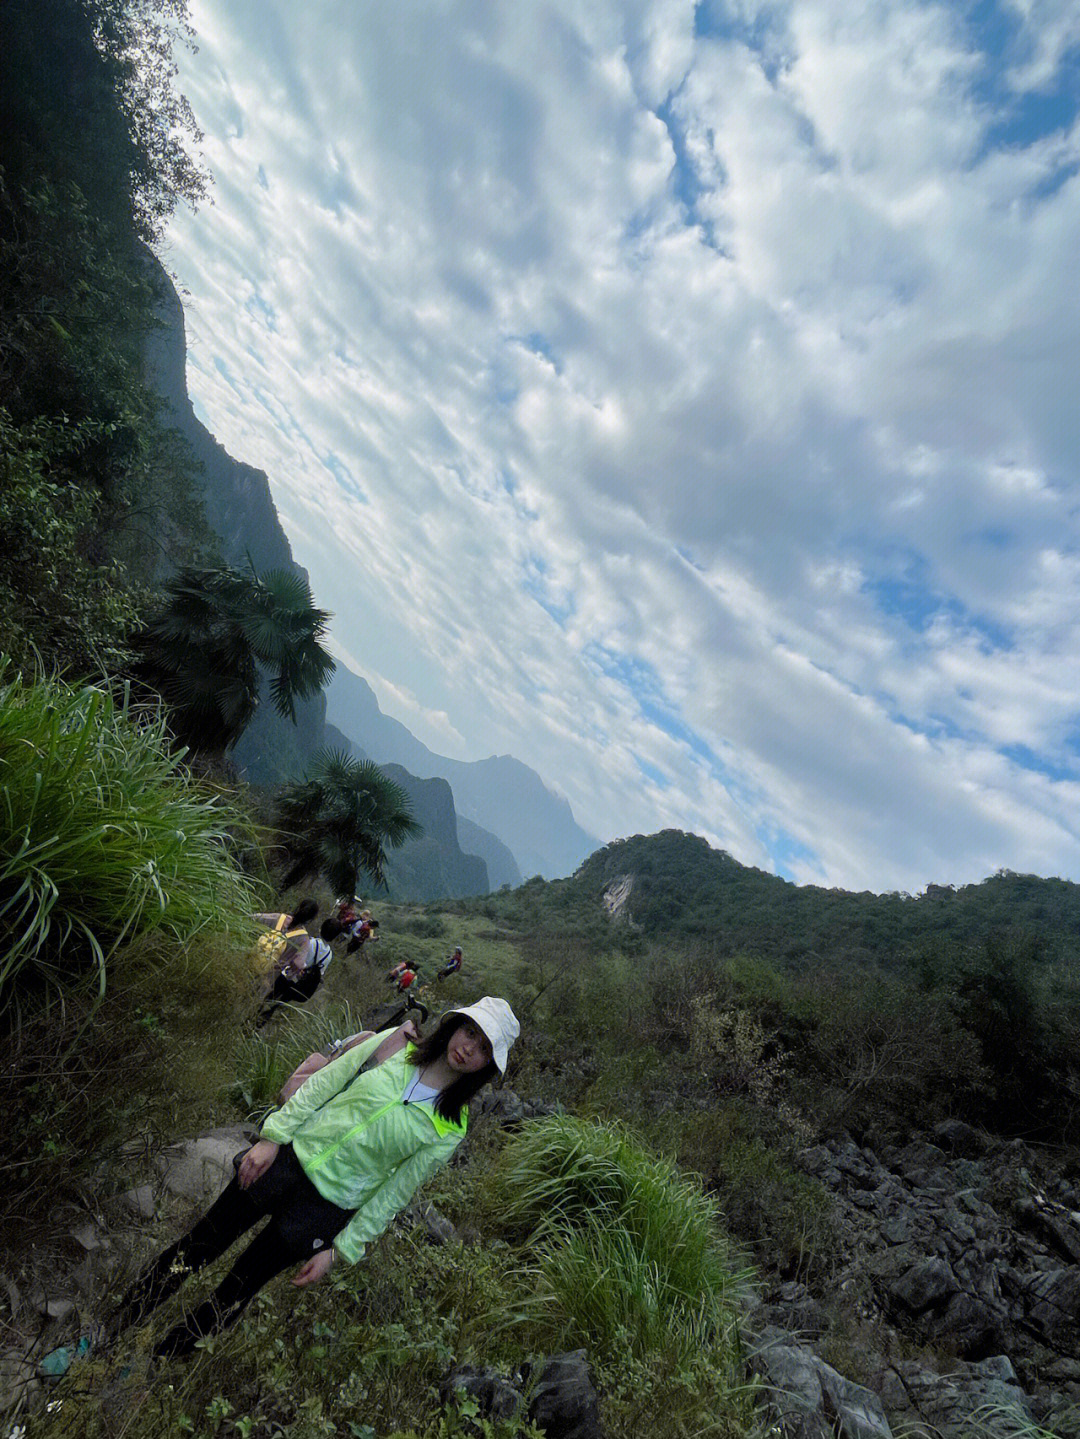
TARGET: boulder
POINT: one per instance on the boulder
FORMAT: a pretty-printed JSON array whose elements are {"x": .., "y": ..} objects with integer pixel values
[
  {"x": 927, "y": 1284},
  {"x": 856, "y": 1412},
  {"x": 1055, "y": 1307},
  {"x": 956, "y": 1137},
  {"x": 197, "y": 1170},
  {"x": 808, "y": 1399},
  {"x": 792, "y": 1388},
  {"x": 563, "y": 1402},
  {"x": 983, "y": 1398},
  {"x": 495, "y": 1395}
]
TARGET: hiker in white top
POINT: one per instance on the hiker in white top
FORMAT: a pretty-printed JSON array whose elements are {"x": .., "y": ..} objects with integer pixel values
[{"x": 302, "y": 970}]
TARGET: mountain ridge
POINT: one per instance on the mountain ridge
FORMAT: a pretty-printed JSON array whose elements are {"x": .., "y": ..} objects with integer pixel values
[{"x": 239, "y": 508}]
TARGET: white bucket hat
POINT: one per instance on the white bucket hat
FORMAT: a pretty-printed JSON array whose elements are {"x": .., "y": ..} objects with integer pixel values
[{"x": 497, "y": 1020}]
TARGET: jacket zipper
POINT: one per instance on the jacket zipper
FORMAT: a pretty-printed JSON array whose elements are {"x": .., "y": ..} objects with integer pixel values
[{"x": 317, "y": 1160}]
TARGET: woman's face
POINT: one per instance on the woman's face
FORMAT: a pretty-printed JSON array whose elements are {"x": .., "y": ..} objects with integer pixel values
[{"x": 469, "y": 1048}]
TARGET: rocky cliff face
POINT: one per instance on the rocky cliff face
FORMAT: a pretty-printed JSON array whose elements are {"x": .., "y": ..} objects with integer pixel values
[
  {"x": 500, "y": 794},
  {"x": 240, "y": 510},
  {"x": 957, "y": 1282}
]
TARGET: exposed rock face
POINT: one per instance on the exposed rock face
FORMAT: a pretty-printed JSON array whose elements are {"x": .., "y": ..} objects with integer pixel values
[
  {"x": 563, "y": 1402},
  {"x": 962, "y": 1243},
  {"x": 617, "y": 895}
]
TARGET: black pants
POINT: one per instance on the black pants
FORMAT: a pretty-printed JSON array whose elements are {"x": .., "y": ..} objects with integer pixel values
[
  {"x": 301, "y": 1224},
  {"x": 289, "y": 991}
]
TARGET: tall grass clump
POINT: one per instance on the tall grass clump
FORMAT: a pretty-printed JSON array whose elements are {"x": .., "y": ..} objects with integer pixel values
[
  {"x": 104, "y": 837},
  {"x": 262, "y": 1062},
  {"x": 632, "y": 1253}
]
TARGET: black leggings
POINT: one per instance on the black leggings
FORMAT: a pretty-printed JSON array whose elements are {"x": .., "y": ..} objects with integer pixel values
[
  {"x": 302, "y": 1223},
  {"x": 289, "y": 991}
]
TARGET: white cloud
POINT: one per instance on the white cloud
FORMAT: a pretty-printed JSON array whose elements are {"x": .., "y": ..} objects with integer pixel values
[{"x": 638, "y": 395}]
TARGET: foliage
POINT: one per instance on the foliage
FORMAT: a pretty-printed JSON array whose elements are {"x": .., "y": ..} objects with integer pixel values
[
  {"x": 340, "y": 820},
  {"x": 94, "y": 161},
  {"x": 262, "y": 1064},
  {"x": 103, "y": 836},
  {"x": 582, "y": 1193},
  {"x": 202, "y": 649},
  {"x": 629, "y": 1258},
  {"x": 57, "y": 597}
]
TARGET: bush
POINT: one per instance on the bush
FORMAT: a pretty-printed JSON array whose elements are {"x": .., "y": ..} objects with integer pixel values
[
  {"x": 105, "y": 837},
  {"x": 632, "y": 1255}
]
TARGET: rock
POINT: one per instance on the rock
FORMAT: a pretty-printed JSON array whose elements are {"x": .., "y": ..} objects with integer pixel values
[
  {"x": 1056, "y": 1230},
  {"x": 504, "y": 1105},
  {"x": 563, "y": 1402},
  {"x": 1055, "y": 1309},
  {"x": 439, "y": 1229},
  {"x": 898, "y": 1228},
  {"x": 496, "y": 1396},
  {"x": 855, "y": 1411},
  {"x": 982, "y": 1398},
  {"x": 959, "y": 1138},
  {"x": 18, "y": 1382},
  {"x": 139, "y": 1201},
  {"x": 794, "y": 1308},
  {"x": 90, "y": 1236},
  {"x": 969, "y": 1327},
  {"x": 197, "y": 1170},
  {"x": 793, "y": 1388},
  {"x": 927, "y": 1283}
]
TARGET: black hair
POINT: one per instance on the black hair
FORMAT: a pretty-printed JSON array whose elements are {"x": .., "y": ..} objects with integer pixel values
[
  {"x": 455, "y": 1097},
  {"x": 330, "y": 929},
  {"x": 305, "y": 910}
]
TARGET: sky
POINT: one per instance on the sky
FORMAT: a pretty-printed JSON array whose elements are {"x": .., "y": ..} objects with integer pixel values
[{"x": 678, "y": 397}]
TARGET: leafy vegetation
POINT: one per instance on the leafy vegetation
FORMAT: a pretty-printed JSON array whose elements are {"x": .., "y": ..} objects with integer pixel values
[
  {"x": 104, "y": 837},
  {"x": 96, "y": 157},
  {"x": 201, "y": 651},
  {"x": 340, "y": 820}
]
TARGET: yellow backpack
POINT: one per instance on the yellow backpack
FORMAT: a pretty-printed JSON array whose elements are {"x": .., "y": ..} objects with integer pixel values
[{"x": 271, "y": 946}]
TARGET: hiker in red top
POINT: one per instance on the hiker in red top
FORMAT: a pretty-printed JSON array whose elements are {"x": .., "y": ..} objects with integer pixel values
[
  {"x": 363, "y": 930},
  {"x": 452, "y": 965},
  {"x": 403, "y": 975}
]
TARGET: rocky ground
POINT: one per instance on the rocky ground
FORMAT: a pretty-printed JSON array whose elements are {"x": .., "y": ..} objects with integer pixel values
[
  {"x": 953, "y": 1308},
  {"x": 959, "y": 1280}
]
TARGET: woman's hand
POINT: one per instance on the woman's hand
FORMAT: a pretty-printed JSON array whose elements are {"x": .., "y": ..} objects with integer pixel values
[
  {"x": 256, "y": 1162},
  {"x": 316, "y": 1268}
]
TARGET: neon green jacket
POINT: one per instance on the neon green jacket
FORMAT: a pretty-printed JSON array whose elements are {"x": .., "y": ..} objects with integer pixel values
[{"x": 359, "y": 1144}]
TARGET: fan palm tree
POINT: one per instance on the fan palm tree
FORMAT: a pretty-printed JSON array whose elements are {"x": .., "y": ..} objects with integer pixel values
[
  {"x": 203, "y": 649},
  {"x": 342, "y": 819}
]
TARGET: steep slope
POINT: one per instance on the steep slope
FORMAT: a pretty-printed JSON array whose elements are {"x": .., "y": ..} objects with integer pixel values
[
  {"x": 501, "y": 865},
  {"x": 500, "y": 793},
  {"x": 433, "y": 866},
  {"x": 240, "y": 510}
]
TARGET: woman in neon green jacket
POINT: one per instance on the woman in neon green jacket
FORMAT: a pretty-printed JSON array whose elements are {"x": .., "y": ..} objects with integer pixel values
[{"x": 334, "y": 1166}]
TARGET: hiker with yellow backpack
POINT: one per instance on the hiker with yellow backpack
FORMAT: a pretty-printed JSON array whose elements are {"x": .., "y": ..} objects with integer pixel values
[
  {"x": 281, "y": 929},
  {"x": 300, "y": 961}
]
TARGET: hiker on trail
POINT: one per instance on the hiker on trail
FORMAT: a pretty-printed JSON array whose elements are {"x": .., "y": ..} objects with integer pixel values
[
  {"x": 452, "y": 965},
  {"x": 333, "y": 1167},
  {"x": 281, "y": 929},
  {"x": 408, "y": 976},
  {"x": 403, "y": 974},
  {"x": 344, "y": 916},
  {"x": 363, "y": 930},
  {"x": 303, "y": 966}
]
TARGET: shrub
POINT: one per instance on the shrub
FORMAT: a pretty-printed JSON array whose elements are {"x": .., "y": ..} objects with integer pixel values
[
  {"x": 105, "y": 836},
  {"x": 628, "y": 1243},
  {"x": 263, "y": 1064}
]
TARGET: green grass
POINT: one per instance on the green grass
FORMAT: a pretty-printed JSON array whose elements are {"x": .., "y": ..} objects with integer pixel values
[
  {"x": 104, "y": 837},
  {"x": 630, "y": 1259}
]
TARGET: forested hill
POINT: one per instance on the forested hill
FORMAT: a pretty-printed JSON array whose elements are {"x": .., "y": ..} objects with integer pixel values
[{"x": 678, "y": 885}]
